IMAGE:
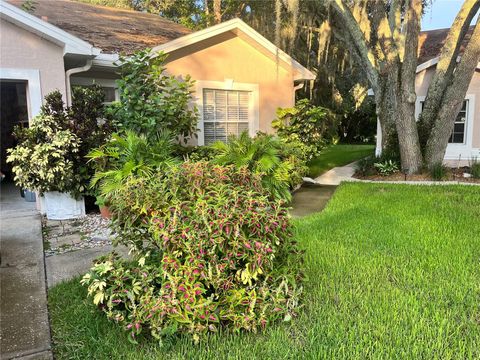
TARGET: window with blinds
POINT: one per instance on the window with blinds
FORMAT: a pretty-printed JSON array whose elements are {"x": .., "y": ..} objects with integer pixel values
[
  {"x": 225, "y": 113},
  {"x": 459, "y": 129}
]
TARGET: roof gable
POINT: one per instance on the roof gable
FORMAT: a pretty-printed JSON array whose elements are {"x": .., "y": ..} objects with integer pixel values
[{"x": 242, "y": 30}]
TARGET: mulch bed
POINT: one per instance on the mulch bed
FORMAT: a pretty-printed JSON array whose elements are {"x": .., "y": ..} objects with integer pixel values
[{"x": 453, "y": 175}]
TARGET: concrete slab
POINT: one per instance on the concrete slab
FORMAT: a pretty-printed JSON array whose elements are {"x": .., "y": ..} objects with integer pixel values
[
  {"x": 12, "y": 204},
  {"x": 336, "y": 175},
  {"x": 25, "y": 331},
  {"x": 66, "y": 266},
  {"x": 310, "y": 198}
]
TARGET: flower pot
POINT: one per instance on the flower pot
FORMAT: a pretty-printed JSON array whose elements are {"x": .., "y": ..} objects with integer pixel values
[
  {"x": 105, "y": 212},
  {"x": 29, "y": 196},
  {"x": 61, "y": 206}
]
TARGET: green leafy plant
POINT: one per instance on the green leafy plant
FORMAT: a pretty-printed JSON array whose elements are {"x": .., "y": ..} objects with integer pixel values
[
  {"x": 313, "y": 126},
  {"x": 152, "y": 101},
  {"x": 212, "y": 251},
  {"x": 387, "y": 167},
  {"x": 262, "y": 155},
  {"x": 438, "y": 171},
  {"x": 127, "y": 155},
  {"x": 366, "y": 166},
  {"x": 475, "y": 169},
  {"x": 45, "y": 157}
]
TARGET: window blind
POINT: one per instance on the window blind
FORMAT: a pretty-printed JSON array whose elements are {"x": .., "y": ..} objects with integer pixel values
[{"x": 225, "y": 113}]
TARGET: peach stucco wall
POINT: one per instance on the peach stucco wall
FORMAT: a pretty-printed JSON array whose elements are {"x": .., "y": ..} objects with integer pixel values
[
  {"x": 229, "y": 57},
  {"x": 21, "y": 49},
  {"x": 421, "y": 86}
]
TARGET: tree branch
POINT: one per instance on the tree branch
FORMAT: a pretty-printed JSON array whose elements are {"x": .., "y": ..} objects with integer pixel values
[{"x": 358, "y": 40}]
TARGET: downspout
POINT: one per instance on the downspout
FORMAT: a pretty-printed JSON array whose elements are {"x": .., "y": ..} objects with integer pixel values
[
  {"x": 295, "y": 88},
  {"x": 69, "y": 73}
]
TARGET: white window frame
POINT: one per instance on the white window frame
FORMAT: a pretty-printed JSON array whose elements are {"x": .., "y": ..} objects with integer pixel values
[
  {"x": 228, "y": 84},
  {"x": 86, "y": 81},
  {"x": 455, "y": 151},
  {"x": 34, "y": 89}
]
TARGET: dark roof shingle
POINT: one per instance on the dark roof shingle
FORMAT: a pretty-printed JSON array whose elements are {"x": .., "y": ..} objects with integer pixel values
[
  {"x": 110, "y": 29},
  {"x": 430, "y": 43}
]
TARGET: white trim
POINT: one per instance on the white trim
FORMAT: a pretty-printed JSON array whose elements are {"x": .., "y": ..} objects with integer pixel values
[
  {"x": 418, "y": 107},
  {"x": 106, "y": 60},
  {"x": 434, "y": 61},
  {"x": 71, "y": 44},
  {"x": 235, "y": 25},
  {"x": 34, "y": 91},
  {"x": 228, "y": 84},
  {"x": 427, "y": 64},
  {"x": 378, "y": 146}
]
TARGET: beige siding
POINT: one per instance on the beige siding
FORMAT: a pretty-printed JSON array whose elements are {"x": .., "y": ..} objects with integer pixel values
[
  {"x": 229, "y": 57},
  {"x": 21, "y": 49}
]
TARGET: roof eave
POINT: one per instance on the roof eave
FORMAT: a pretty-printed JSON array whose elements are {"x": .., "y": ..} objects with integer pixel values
[{"x": 71, "y": 44}]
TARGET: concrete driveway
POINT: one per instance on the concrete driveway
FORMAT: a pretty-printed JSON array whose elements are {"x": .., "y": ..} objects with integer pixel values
[{"x": 25, "y": 330}]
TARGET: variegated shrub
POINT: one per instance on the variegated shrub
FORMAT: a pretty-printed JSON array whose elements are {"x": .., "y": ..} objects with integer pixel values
[{"x": 212, "y": 251}]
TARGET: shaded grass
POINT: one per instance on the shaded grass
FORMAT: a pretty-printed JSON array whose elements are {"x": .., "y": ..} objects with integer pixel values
[
  {"x": 338, "y": 155},
  {"x": 393, "y": 272}
]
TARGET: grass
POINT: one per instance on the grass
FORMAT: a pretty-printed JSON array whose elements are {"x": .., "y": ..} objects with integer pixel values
[
  {"x": 338, "y": 155},
  {"x": 393, "y": 272}
]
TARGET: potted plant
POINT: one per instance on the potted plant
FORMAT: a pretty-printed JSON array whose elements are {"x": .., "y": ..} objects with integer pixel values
[{"x": 45, "y": 161}]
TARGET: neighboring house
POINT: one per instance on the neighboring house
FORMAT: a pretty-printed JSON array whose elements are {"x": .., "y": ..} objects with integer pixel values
[
  {"x": 464, "y": 144},
  {"x": 241, "y": 77}
]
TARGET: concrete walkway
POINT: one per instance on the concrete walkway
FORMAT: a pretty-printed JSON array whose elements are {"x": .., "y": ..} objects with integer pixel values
[
  {"x": 310, "y": 198},
  {"x": 336, "y": 175},
  {"x": 63, "y": 267},
  {"x": 25, "y": 330}
]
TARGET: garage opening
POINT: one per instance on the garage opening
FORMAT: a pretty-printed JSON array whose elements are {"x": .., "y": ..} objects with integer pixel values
[{"x": 13, "y": 112}]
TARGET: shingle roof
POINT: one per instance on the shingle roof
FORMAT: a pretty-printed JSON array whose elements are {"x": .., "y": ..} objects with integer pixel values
[
  {"x": 110, "y": 29},
  {"x": 430, "y": 43}
]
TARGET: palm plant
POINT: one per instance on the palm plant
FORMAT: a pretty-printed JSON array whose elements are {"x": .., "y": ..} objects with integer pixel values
[
  {"x": 129, "y": 155},
  {"x": 261, "y": 155}
]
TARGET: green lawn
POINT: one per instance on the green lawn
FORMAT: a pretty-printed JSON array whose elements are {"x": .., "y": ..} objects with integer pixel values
[
  {"x": 393, "y": 272},
  {"x": 338, "y": 155}
]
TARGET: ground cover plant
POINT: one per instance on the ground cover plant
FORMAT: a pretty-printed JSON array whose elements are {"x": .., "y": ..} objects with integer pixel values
[
  {"x": 338, "y": 155},
  {"x": 212, "y": 251},
  {"x": 392, "y": 272}
]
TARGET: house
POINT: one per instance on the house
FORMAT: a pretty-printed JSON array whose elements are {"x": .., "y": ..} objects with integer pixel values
[
  {"x": 241, "y": 77},
  {"x": 464, "y": 143}
]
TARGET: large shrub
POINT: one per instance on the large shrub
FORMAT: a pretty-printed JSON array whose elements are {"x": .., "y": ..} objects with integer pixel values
[
  {"x": 45, "y": 157},
  {"x": 213, "y": 251},
  {"x": 152, "y": 101},
  {"x": 51, "y": 153},
  {"x": 279, "y": 163},
  {"x": 313, "y": 126}
]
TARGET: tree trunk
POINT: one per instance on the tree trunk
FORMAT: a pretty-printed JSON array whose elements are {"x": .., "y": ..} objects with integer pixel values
[
  {"x": 452, "y": 100},
  {"x": 410, "y": 152},
  {"x": 217, "y": 11},
  {"x": 207, "y": 12},
  {"x": 386, "y": 107}
]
